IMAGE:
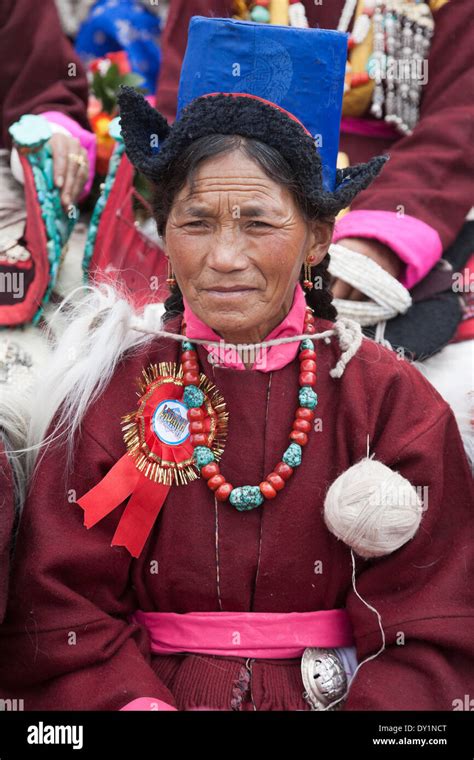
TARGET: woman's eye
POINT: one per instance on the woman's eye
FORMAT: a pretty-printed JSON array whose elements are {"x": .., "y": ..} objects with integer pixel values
[{"x": 259, "y": 224}]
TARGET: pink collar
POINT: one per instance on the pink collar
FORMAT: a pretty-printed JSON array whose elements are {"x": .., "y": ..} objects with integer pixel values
[{"x": 275, "y": 357}]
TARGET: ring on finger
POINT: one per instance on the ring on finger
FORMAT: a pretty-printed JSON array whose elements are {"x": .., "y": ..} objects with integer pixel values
[{"x": 78, "y": 159}]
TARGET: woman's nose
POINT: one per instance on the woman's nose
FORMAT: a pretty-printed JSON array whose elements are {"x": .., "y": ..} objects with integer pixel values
[{"x": 226, "y": 252}]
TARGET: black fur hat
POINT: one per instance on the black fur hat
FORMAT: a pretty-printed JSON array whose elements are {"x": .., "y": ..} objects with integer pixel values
[{"x": 152, "y": 144}]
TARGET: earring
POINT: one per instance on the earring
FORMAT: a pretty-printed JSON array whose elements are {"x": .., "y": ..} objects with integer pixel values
[
  {"x": 170, "y": 280},
  {"x": 307, "y": 281}
]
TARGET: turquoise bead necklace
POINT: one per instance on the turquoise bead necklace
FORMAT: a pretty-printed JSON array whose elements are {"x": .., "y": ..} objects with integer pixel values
[{"x": 249, "y": 497}]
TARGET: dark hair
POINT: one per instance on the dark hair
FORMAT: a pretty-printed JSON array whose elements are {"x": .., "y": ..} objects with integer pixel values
[{"x": 184, "y": 169}]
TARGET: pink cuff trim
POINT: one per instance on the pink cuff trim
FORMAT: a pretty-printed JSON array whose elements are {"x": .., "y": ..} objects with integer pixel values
[
  {"x": 147, "y": 703},
  {"x": 273, "y": 358},
  {"x": 86, "y": 138},
  {"x": 414, "y": 241}
]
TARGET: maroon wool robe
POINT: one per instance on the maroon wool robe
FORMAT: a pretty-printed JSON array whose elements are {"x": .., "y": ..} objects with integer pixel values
[
  {"x": 430, "y": 172},
  {"x": 35, "y": 61},
  {"x": 7, "y": 513},
  {"x": 66, "y": 642}
]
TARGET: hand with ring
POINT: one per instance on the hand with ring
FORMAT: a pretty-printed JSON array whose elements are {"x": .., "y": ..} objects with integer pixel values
[{"x": 71, "y": 167}]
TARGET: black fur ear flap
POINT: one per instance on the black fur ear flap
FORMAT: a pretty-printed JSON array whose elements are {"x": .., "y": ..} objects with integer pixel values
[
  {"x": 351, "y": 180},
  {"x": 143, "y": 129}
]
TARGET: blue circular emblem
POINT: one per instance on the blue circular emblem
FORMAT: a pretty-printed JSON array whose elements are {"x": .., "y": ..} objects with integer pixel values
[{"x": 170, "y": 422}]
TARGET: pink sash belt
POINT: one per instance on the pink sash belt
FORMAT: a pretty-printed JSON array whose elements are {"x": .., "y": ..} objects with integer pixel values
[{"x": 246, "y": 634}]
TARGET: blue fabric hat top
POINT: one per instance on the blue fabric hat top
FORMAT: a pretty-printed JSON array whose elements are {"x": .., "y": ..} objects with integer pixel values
[{"x": 299, "y": 70}]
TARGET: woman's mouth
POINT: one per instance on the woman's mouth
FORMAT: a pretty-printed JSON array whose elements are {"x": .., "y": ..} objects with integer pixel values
[{"x": 232, "y": 292}]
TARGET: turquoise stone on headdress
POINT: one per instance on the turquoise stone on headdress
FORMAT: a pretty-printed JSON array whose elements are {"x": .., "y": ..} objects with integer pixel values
[
  {"x": 30, "y": 131},
  {"x": 115, "y": 130},
  {"x": 260, "y": 14}
]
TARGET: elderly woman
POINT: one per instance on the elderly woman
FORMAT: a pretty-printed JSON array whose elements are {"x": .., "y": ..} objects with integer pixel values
[{"x": 217, "y": 585}]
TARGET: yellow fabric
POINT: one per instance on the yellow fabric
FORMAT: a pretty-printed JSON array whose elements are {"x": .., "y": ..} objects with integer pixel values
[
  {"x": 342, "y": 163},
  {"x": 240, "y": 10},
  {"x": 435, "y": 5},
  {"x": 279, "y": 12},
  {"x": 357, "y": 100},
  {"x": 342, "y": 160}
]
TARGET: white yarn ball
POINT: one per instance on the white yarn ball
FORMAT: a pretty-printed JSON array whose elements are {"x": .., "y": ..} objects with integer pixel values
[{"x": 373, "y": 509}]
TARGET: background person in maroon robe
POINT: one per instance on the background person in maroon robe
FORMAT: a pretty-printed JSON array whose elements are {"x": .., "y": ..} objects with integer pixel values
[
  {"x": 41, "y": 74},
  {"x": 415, "y": 210}
]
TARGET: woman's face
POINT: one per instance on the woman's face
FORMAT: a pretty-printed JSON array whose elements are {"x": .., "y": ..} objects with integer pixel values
[{"x": 237, "y": 244}]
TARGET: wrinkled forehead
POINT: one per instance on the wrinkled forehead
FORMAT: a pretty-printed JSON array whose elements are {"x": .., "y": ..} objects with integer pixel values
[{"x": 232, "y": 174}]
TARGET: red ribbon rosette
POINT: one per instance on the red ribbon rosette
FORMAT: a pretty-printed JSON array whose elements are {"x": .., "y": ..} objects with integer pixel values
[{"x": 159, "y": 454}]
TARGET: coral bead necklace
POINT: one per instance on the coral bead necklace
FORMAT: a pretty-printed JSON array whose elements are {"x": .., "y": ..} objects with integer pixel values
[{"x": 248, "y": 497}]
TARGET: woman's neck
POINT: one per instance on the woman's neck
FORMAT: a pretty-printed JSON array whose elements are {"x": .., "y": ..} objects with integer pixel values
[{"x": 289, "y": 322}]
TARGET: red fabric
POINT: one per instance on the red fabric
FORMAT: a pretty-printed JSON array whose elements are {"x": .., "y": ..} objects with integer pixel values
[
  {"x": 36, "y": 59},
  {"x": 430, "y": 172},
  {"x": 140, "y": 515},
  {"x": 147, "y": 496},
  {"x": 66, "y": 643},
  {"x": 111, "y": 491},
  {"x": 22, "y": 311},
  {"x": 122, "y": 251}
]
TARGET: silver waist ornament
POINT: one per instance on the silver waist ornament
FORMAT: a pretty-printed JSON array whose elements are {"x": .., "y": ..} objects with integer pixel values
[
  {"x": 399, "y": 63},
  {"x": 324, "y": 678}
]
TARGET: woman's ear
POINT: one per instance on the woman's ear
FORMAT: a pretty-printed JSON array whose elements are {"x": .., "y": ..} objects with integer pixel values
[
  {"x": 143, "y": 129},
  {"x": 321, "y": 238}
]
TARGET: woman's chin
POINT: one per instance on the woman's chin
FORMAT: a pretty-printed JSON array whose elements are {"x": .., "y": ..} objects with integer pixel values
[{"x": 230, "y": 307}]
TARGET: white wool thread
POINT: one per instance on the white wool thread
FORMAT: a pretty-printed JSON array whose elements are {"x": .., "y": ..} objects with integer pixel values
[
  {"x": 379, "y": 336},
  {"x": 372, "y": 509},
  {"x": 348, "y": 333},
  {"x": 382, "y": 633}
]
